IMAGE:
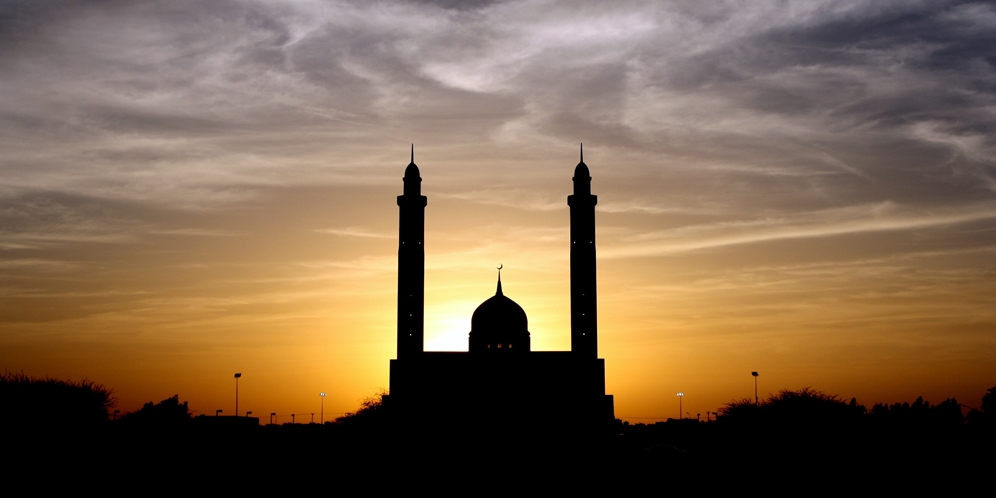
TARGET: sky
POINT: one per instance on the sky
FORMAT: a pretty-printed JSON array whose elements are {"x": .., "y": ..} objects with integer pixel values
[{"x": 804, "y": 189}]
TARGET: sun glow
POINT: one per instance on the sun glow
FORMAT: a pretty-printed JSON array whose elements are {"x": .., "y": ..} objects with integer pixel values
[{"x": 447, "y": 324}]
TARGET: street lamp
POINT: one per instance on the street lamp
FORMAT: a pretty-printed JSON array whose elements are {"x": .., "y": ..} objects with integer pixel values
[
  {"x": 322, "y": 420},
  {"x": 216, "y": 412},
  {"x": 680, "y": 395},
  {"x": 292, "y": 418},
  {"x": 755, "y": 386},
  {"x": 237, "y": 375},
  {"x": 116, "y": 412},
  {"x": 272, "y": 415},
  {"x": 248, "y": 413}
]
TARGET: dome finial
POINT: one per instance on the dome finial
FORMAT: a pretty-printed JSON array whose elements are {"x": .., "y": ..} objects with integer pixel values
[
  {"x": 413, "y": 153},
  {"x": 498, "y": 293},
  {"x": 582, "y": 152}
]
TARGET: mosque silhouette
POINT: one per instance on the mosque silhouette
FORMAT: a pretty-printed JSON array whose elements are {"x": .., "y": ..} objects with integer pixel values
[{"x": 499, "y": 380}]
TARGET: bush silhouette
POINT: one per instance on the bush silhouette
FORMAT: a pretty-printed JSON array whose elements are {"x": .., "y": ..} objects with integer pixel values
[
  {"x": 803, "y": 407},
  {"x": 742, "y": 409},
  {"x": 31, "y": 401},
  {"x": 371, "y": 412}
]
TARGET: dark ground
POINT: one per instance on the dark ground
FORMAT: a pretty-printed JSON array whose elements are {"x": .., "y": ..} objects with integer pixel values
[{"x": 660, "y": 458}]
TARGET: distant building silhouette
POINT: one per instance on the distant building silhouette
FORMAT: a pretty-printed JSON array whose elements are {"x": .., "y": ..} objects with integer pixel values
[{"x": 499, "y": 380}]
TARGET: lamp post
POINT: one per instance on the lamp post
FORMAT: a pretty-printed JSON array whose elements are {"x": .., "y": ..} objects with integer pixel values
[
  {"x": 272, "y": 415},
  {"x": 680, "y": 395},
  {"x": 292, "y": 418},
  {"x": 116, "y": 412},
  {"x": 217, "y": 412},
  {"x": 237, "y": 375},
  {"x": 755, "y": 386},
  {"x": 248, "y": 413},
  {"x": 322, "y": 420}
]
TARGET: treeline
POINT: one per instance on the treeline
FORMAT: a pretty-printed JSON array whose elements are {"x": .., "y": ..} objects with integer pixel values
[
  {"x": 32, "y": 401},
  {"x": 809, "y": 430},
  {"x": 808, "y": 406},
  {"x": 806, "y": 430}
]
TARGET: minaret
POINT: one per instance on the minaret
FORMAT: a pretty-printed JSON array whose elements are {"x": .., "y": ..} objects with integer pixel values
[
  {"x": 584, "y": 305},
  {"x": 411, "y": 263}
]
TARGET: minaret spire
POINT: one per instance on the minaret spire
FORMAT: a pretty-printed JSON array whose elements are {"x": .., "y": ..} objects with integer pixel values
[{"x": 499, "y": 293}]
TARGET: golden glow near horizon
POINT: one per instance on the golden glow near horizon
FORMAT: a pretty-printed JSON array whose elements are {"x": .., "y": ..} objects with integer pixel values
[{"x": 206, "y": 193}]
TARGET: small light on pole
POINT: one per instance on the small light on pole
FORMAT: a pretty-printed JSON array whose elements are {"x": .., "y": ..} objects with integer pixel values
[
  {"x": 116, "y": 412},
  {"x": 248, "y": 413},
  {"x": 272, "y": 416},
  {"x": 217, "y": 412},
  {"x": 680, "y": 395},
  {"x": 755, "y": 386},
  {"x": 237, "y": 375},
  {"x": 322, "y": 420}
]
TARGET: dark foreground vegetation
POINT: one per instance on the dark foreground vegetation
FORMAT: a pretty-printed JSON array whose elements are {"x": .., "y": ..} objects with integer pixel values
[{"x": 791, "y": 438}]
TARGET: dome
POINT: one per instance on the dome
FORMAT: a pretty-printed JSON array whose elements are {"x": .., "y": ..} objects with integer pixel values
[
  {"x": 412, "y": 171},
  {"x": 581, "y": 172},
  {"x": 413, "y": 182},
  {"x": 499, "y": 324},
  {"x": 499, "y": 312}
]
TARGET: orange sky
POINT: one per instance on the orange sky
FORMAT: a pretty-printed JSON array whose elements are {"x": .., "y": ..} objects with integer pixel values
[{"x": 192, "y": 191}]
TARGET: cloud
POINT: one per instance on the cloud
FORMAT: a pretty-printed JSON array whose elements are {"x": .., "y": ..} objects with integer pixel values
[
  {"x": 354, "y": 232},
  {"x": 528, "y": 200},
  {"x": 195, "y": 232},
  {"x": 857, "y": 219}
]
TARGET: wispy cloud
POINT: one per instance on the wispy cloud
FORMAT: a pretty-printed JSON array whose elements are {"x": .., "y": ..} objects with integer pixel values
[
  {"x": 355, "y": 232},
  {"x": 195, "y": 232},
  {"x": 859, "y": 219},
  {"x": 529, "y": 200}
]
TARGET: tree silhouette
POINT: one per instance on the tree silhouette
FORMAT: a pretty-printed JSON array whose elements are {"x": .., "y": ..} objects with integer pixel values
[
  {"x": 168, "y": 412},
  {"x": 920, "y": 413},
  {"x": 989, "y": 402}
]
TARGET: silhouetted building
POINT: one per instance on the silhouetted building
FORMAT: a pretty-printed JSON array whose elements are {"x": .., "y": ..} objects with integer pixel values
[{"x": 499, "y": 379}]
